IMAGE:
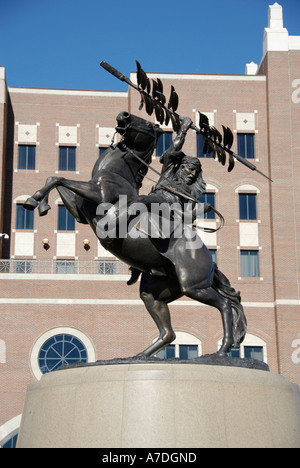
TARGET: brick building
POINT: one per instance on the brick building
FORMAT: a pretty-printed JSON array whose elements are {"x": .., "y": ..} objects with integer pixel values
[{"x": 63, "y": 297}]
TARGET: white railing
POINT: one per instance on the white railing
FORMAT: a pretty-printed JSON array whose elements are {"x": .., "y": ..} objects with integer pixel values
[{"x": 81, "y": 267}]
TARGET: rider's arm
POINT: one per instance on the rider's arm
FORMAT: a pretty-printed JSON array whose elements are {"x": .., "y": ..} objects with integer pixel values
[
  {"x": 178, "y": 142},
  {"x": 170, "y": 157}
]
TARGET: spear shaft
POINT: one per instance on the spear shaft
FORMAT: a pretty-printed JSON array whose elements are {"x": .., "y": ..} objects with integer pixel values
[{"x": 124, "y": 78}]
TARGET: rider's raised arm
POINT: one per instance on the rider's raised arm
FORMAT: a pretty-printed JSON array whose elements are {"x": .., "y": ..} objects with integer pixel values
[
  {"x": 179, "y": 140},
  {"x": 172, "y": 154}
]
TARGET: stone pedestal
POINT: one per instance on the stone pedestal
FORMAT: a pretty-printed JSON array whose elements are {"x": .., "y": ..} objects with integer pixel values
[{"x": 155, "y": 405}]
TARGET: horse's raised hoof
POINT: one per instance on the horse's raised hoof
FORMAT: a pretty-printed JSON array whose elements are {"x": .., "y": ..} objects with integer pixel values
[
  {"x": 44, "y": 208},
  {"x": 30, "y": 204}
]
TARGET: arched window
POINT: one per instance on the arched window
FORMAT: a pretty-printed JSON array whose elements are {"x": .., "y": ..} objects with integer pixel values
[
  {"x": 61, "y": 350},
  {"x": 60, "y": 346},
  {"x": 252, "y": 347},
  {"x": 9, "y": 432},
  {"x": 185, "y": 347}
]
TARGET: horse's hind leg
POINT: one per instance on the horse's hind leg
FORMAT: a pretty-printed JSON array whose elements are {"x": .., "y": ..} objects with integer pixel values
[
  {"x": 156, "y": 302},
  {"x": 211, "y": 297}
]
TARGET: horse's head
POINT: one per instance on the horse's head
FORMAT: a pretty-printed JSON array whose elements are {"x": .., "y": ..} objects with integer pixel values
[{"x": 138, "y": 134}]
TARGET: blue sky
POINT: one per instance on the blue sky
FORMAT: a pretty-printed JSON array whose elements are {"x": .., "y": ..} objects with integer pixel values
[{"x": 59, "y": 43}]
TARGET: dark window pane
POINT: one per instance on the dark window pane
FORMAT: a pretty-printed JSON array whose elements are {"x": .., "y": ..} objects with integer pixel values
[
  {"x": 211, "y": 199},
  {"x": 188, "y": 351},
  {"x": 200, "y": 148},
  {"x": 24, "y": 218},
  {"x": 11, "y": 443},
  {"x": 164, "y": 142},
  {"x": 246, "y": 145},
  {"x": 167, "y": 353},
  {"x": 254, "y": 352},
  {"x": 60, "y": 350},
  {"x": 66, "y": 222},
  {"x": 235, "y": 353},
  {"x": 250, "y": 264},
  {"x": 67, "y": 158},
  {"x": 26, "y": 157},
  {"x": 248, "y": 206}
]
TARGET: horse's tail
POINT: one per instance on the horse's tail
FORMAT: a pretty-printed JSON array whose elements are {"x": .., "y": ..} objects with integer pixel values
[{"x": 222, "y": 285}]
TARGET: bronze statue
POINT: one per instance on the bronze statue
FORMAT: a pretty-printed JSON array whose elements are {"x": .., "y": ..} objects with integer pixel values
[{"x": 120, "y": 171}]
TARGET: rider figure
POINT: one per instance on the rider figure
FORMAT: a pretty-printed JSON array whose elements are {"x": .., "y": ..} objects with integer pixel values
[
  {"x": 181, "y": 177},
  {"x": 180, "y": 183}
]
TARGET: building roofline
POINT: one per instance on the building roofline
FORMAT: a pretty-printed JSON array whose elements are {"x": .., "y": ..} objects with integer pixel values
[
  {"x": 193, "y": 76},
  {"x": 67, "y": 92}
]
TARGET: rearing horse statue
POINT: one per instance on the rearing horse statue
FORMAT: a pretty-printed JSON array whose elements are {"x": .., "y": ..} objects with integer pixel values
[{"x": 120, "y": 171}]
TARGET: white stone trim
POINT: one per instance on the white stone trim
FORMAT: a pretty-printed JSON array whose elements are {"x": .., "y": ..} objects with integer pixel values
[
  {"x": 134, "y": 302},
  {"x": 173, "y": 76},
  {"x": 68, "y": 92}
]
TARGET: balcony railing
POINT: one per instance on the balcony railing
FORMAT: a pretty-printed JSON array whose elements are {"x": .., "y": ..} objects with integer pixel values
[{"x": 81, "y": 267}]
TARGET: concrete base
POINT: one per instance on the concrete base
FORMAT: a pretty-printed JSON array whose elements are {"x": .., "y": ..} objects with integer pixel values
[{"x": 161, "y": 406}]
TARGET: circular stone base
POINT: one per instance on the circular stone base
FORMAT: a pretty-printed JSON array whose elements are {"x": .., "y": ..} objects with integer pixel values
[{"x": 161, "y": 405}]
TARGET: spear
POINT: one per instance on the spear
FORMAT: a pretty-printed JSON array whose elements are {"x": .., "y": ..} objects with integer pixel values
[{"x": 214, "y": 142}]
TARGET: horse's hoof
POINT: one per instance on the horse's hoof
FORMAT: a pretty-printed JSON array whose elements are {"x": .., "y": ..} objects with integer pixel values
[
  {"x": 30, "y": 204},
  {"x": 44, "y": 208}
]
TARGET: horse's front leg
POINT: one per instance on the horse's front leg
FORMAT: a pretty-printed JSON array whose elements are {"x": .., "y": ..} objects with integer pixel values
[{"x": 42, "y": 196}]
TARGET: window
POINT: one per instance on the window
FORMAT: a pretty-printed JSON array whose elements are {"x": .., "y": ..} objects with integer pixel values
[
  {"x": 164, "y": 142},
  {"x": 185, "y": 352},
  {"x": 66, "y": 222},
  {"x": 252, "y": 347},
  {"x": 59, "y": 350},
  {"x": 106, "y": 268},
  {"x": 250, "y": 264},
  {"x": 24, "y": 218},
  {"x": 67, "y": 158},
  {"x": 185, "y": 347},
  {"x": 65, "y": 267},
  {"x": 250, "y": 352},
  {"x": 11, "y": 443},
  {"x": 26, "y": 159},
  {"x": 248, "y": 206},
  {"x": 246, "y": 145},
  {"x": 188, "y": 352},
  {"x": 23, "y": 266},
  {"x": 167, "y": 353},
  {"x": 200, "y": 148},
  {"x": 211, "y": 199},
  {"x": 254, "y": 352}
]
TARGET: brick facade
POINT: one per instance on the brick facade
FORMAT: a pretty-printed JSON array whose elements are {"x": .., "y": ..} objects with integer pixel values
[{"x": 102, "y": 307}]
